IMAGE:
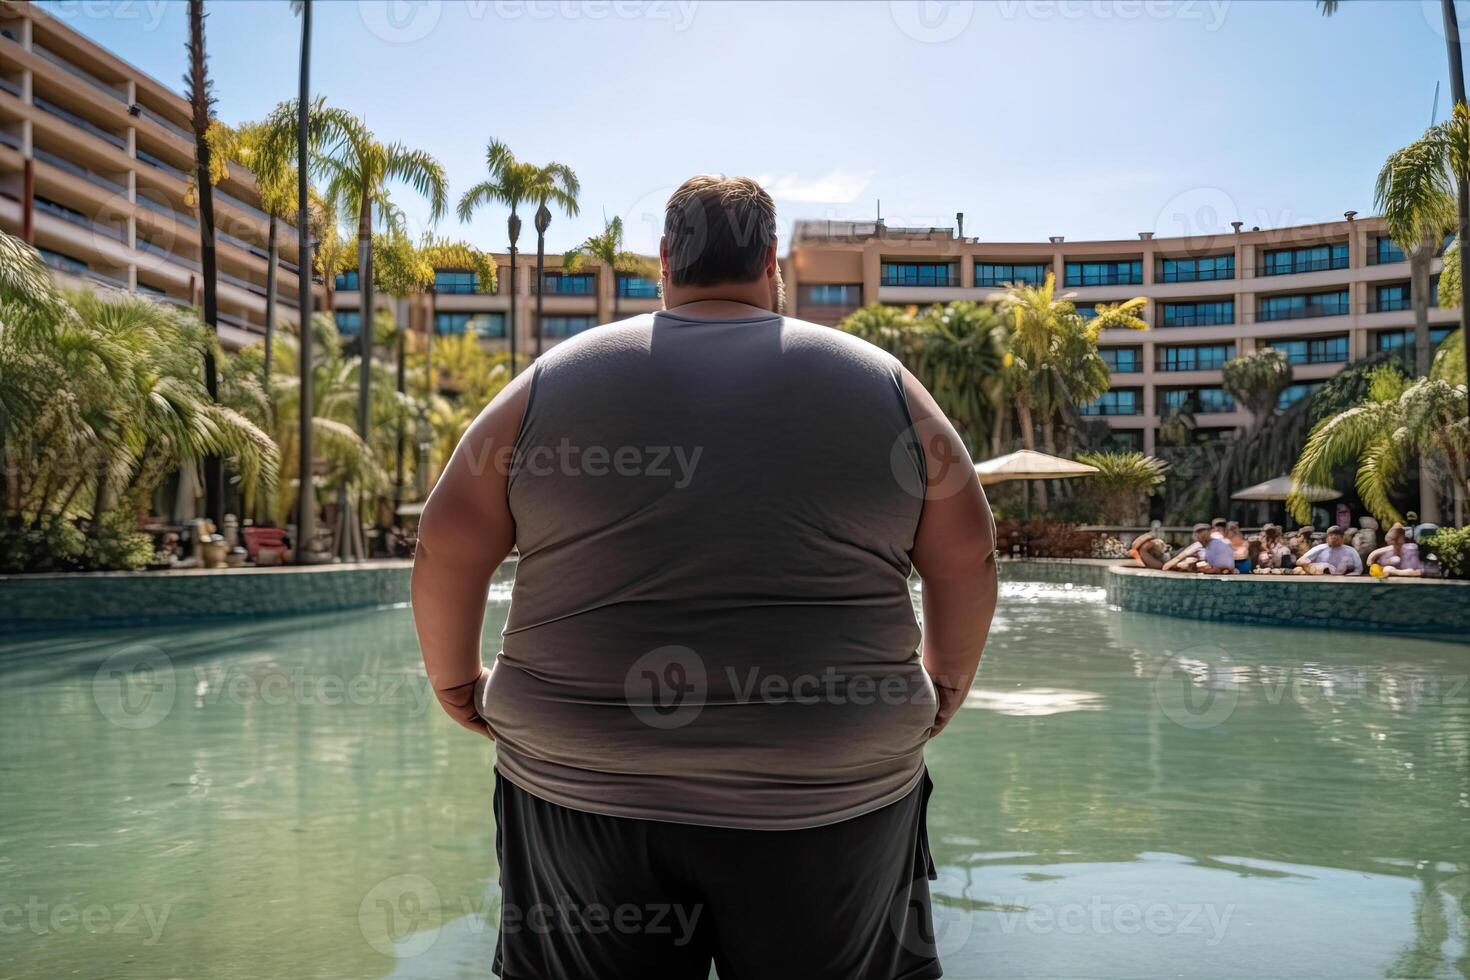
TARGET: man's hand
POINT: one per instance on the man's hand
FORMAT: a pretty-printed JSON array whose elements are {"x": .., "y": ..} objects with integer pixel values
[{"x": 462, "y": 703}]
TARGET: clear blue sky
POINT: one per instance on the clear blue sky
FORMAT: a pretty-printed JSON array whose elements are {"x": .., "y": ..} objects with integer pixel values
[{"x": 1079, "y": 118}]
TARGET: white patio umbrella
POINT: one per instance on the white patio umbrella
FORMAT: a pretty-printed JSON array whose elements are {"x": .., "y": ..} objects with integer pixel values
[
  {"x": 1027, "y": 464},
  {"x": 1280, "y": 489}
]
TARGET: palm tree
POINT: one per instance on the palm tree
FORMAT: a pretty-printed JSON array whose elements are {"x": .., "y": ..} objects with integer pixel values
[
  {"x": 305, "y": 463},
  {"x": 1054, "y": 364},
  {"x": 1398, "y": 424},
  {"x": 359, "y": 170},
  {"x": 556, "y": 184},
  {"x": 607, "y": 250},
  {"x": 1460, "y": 121},
  {"x": 962, "y": 361},
  {"x": 201, "y": 103},
  {"x": 1256, "y": 381},
  {"x": 1122, "y": 482},
  {"x": 511, "y": 183},
  {"x": 250, "y": 144},
  {"x": 102, "y": 401}
]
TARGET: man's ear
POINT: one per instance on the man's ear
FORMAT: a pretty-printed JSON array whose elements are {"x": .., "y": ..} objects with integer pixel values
[
  {"x": 663, "y": 257},
  {"x": 772, "y": 261}
]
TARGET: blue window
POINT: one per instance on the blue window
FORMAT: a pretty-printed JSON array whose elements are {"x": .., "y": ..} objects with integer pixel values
[
  {"x": 1315, "y": 350},
  {"x": 1292, "y": 394},
  {"x": 637, "y": 287},
  {"x": 63, "y": 262},
  {"x": 566, "y": 326},
  {"x": 347, "y": 281},
  {"x": 569, "y": 284},
  {"x": 349, "y": 322},
  {"x": 481, "y": 324},
  {"x": 1200, "y": 400},
  {"x": 1197, "y": 270},
  {"x": 1001, "y": 273},
  {"x": 1315, "y": 258},
  {"x": 1384, "y": 251},
  {"x": 1395, "y": 339},
  {"x": 1119, "y": 401},
  {"x": 1201, "y": 314},
  {"x": 456, "y": 281},
  {"x": 1122, "y": 359},
  {"x": 1122, "y": 273},
  {"x": 918, "y": 274},
  {"x": 1208, "y": 357},
  {"x": 1089, "y": 310},
  {"x": 1303, "y": 306},
  {"x": 1394, "y": 296},
  {"x": 825, "y": 294}
]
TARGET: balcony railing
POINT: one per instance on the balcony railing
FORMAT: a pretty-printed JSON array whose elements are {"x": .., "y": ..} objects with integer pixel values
[
  {"x": 940, "y": 282},
  {"x": 159, "y": 250},
  {"x": 248, "y": 208},
  {"x": 158, "y": 164},
  {"x": 637, "y": 288},
  {"x": 1303, "y": 312},
  {"x": 1106, "y": 279},
  {"x": 158, "y": 120},
  {"x": 1388, "y": 305},
  {"x": 1302, "y": 265},
  {"x": 1198, "y": 319},
  {"x": 77, "y": 170},
  {"x": 9, "y": 138},
  {"x": 1211, "y": 274},
  {"x": 167, "y": 211},
  {"x": 76, "y": 72},
  {"x": 66, "y": 115},
  {"x": 6, "y": 85},
  {"x": 76, "y": 218},
  {"x": 1387, "y": 258},
  {"x": 568, "y": 286}
]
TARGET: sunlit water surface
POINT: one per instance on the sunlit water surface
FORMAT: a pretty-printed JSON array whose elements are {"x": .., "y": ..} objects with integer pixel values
[{"x": 1124, "y": 796}]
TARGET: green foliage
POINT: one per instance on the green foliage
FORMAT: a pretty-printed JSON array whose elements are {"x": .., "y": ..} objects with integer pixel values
[
  {"x": 607, "y": 248},
  {"x": 1256, "y": 380},
  {"x": 1452, "y": 546},
  {"x": 957, "y": 350},
  {"x": 101, "y": 398},
  {"x": 1116, "y": 493},
  {"x": 1449, "y": 360}
]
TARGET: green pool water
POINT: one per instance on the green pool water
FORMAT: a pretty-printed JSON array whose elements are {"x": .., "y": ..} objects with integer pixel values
[{"x": 1126, "y": 796}]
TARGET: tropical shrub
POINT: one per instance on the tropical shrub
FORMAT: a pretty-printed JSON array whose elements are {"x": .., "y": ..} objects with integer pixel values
[
  {"x": 102, "y": 399},
  {"x": 1451, "y": 545},
  {"x": 1118, "y": 492}
]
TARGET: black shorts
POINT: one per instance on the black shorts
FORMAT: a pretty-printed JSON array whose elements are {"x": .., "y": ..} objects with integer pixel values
[{"x": 592, "y": 897}]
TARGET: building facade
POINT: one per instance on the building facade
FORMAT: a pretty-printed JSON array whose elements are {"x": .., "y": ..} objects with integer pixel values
[
  {"x": 95, "y": 164},
  {"x": 571, "y": 303},
  {"x": 1327, "y": 294}
]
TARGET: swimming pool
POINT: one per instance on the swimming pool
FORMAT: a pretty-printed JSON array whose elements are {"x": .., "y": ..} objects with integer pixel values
[{"x": 1126, "y": 795}]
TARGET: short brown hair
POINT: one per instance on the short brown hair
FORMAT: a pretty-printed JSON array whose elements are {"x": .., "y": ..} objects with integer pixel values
[{"x": 718, "y": 229}]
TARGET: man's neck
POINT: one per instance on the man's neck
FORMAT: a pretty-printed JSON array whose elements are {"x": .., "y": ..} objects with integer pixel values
[{"x": 720, "y": 309}]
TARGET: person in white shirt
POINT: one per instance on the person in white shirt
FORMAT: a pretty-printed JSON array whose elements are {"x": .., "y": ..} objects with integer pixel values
[
  {"x": 1209, "y": 554},
  {"x": 1332, "y": 557},
  {"x": 1399, "y": 556}
]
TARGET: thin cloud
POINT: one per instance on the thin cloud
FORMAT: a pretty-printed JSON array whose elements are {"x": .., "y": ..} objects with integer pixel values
[{"x": 836, "y": 187}]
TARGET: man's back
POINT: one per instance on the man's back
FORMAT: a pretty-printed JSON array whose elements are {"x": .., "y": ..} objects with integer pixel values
[{"x": 714, "y": 520}]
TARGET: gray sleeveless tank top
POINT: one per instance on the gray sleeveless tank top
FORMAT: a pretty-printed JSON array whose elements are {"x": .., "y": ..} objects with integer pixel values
[{"x": 711, "y": 620}]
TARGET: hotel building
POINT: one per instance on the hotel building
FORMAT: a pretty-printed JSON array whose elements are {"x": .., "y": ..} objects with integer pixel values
[
  {"x": 95, "y": 161},
  {"x": 1327, "y": 294}
]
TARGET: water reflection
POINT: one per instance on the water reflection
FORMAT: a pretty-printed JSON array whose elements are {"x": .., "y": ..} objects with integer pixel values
[{"x": 1127, "y": 795}]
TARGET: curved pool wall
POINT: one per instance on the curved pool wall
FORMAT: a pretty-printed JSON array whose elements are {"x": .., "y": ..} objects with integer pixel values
[
  {"x": 1353, "y": 603},
  {"x": 88, "y": 599},
  {"x": 104, "y": 599}
]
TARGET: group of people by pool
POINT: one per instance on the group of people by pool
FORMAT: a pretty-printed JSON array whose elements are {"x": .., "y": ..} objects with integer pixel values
[{"x": 1221, "y": 548}]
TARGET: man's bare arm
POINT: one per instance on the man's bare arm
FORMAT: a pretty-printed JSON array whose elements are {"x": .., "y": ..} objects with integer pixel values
[
  {"x": 464, "y": 534},
  {"x": 954, "y": 553}
]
